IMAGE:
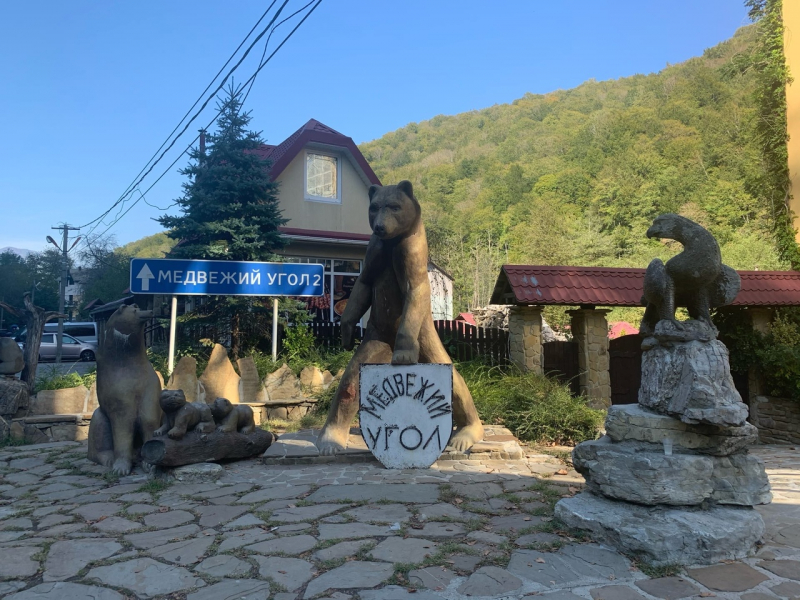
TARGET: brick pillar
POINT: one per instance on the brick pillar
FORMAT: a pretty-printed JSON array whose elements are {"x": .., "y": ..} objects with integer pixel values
[
  {"x": 590, "y": 330},
  {"x": 525, "y": 337}
]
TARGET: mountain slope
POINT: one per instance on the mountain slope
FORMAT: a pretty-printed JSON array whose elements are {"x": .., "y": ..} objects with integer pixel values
[{"x": 576, "y": 176}]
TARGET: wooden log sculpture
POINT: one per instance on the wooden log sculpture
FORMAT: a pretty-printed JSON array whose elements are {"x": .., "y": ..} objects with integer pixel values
[{"x": 233, "y": 438}]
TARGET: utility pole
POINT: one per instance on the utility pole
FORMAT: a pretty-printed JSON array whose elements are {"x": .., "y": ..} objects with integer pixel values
[{"x": 64, "y": 248}]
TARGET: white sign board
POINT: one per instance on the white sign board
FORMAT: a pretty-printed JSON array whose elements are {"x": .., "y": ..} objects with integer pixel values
[{"x": 406, "y": 413}]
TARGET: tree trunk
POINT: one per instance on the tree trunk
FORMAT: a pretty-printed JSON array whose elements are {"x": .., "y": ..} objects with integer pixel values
[
  {"x": 35, "y": 318},
  {"x": 196, "y": 447}
]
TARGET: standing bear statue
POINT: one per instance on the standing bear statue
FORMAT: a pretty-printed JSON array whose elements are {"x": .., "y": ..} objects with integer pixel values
[
  {"x": 128, "y": 392},
  {"x": 394, "y": 284}
]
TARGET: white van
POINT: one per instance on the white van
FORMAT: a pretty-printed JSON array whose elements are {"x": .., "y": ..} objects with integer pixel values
[{"x": 84, "y": 331}]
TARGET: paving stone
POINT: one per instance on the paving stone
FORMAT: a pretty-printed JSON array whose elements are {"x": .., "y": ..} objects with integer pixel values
[
  {"x": 199, "y": 473},
  {"x": 518, "y": 522},
  {"x": 237, "y": 539},
  {"x": 184, "y": 552},
  {"x": 17, "y": 562},
  {"x": 22, "y": 478},
  {"x": 292, "y": 528},
  {"x": 141, "y": 509},
  {"x": 538, "y": 539},
  {"x": 669, "y": 588},
  {"x": 9, "y": 587},
  {"x": 64, "y": 590},
  {"x": 572, "y": 565},
  {"x": 615, "y": 592},
  {"x": 247, "y": 520},
  {"x": 60, "y": 530},
  {"x": 292, "y": 546},
  {"x": 432, "y": 512},
  {"x": 55, "y": 519},
  {"x": 441, "y": 530},
  {"x": 146, "y": 577},
  {"x": 211, "y": 516},
  {"x": 464, "y": 563},
  {"x": 65, "y": 559},
  {"x": 420, "y": 493},
  {"x": 342, "y": 550},
  {"x": 335, "y": 531},
  {"x": 787, "y": 589},
  {"x": 64, "y": 495},
  {"x": 150, "y": 539},
  {"x": 560, "y": 595},
  {"x": 381, "y": 513},
  {"x": 286, "y": 596},
  {"x": 477, "y": 491},
  {"x": 304, "y": 513},
  {"x": 756, "y": 596},
  {"x": 172, "y": 518},
  {"x": 20, "y": 523},
  {"x": 226, "y": 490},
  {"x": 46, "y": 510},
  {"x": 490, "y": 581},
  {"x": 239, "y": 589},
  {"x": 224, "y": 566},
  {"x": 393, "y": 592},
  {"x": 116, "y": 525},
  {"x": 433, "y": 578},
  {"x": 403, "y": 550},
  {"x": 291, "y": 573},
  {"x": 782, "y": 568},
  {"x": 10, "y": 536},
  {"x": 97, "y": 510},
  {"x": 487, "y": 537},
  {"x": 275, "y": 505},
  {"x": 351, "y": 575},
  {"x": 274, "y": 493},
  {"x": 731, "y": 577}
]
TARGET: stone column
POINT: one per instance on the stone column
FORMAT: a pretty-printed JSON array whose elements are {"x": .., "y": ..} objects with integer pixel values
[
  {"x": 761, "y": 318},
  {"x": 525, "y": 337},
  {"x": 590, "y": 331}
]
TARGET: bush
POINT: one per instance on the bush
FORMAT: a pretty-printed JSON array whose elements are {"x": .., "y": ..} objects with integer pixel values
[
  {"x": 534, "y": 407},
  {"x": 59, "y": 381}
]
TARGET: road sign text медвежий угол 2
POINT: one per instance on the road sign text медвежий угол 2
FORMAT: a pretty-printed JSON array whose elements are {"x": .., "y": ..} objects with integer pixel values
[{"x": 225, "y": 278}]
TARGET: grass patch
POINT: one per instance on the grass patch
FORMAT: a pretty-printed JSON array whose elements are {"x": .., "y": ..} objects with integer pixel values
[
  {"x": 534, "y": 407},
  {"x": 9, "y": 442},
  {"x": 154, "y": 486},
  {"x": 49, "y": 378},
  {"x": 401, "y": 571},
  {"x": 655, "y": 572}
]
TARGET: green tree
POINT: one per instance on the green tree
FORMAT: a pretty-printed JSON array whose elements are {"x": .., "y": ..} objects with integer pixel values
[
  {"x": 108, "y": 271},
  {"x": 229, "y": 207}
]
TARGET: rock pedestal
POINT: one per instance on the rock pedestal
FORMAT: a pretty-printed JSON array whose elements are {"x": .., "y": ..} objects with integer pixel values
[{"x": 672, "y": 481}]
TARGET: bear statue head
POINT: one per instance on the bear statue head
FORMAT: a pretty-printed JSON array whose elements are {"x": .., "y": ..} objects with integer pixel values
[
  {"x": 172, "y": 400},
  {"x": 124, "y": 330},
  {"x": 393, "y": 210},
  {"x": 668, "y": 226},
  {"x": 221, "y": 408}
]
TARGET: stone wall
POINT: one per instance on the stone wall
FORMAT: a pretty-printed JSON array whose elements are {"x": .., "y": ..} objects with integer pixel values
[
  {"x": 525, "y": 337},
  {"x": 777, "y": 419},
  {"x": 590, "y": 331}
]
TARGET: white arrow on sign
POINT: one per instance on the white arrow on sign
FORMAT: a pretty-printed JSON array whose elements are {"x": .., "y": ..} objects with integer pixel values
[{"x": 145, "y": 275}]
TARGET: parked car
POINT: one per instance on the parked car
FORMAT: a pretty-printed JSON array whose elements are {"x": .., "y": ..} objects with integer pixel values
[
  {"x": 71, "y": 348},
  {"x": 83, "y": 331}
]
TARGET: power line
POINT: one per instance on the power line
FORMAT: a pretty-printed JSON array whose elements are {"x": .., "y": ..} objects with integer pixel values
[
  {"x": 249, "y": 80},
  {"x": 134, "y": 183}
]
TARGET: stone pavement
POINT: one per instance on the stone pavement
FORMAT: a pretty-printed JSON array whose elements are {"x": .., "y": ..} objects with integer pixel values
[{"x": 462, "y": 529}]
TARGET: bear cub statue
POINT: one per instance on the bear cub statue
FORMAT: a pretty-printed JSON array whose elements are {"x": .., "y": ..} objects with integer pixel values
[
  {"x": 181, "y": 416},
  {"x": 233, "y": 417}
]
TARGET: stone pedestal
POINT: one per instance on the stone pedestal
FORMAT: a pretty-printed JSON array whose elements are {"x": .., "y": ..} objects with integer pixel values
[
  {"x": 672, "y": 481},
  {"x": 525, "y": 337},
  {"x": 590, "y": 331}
]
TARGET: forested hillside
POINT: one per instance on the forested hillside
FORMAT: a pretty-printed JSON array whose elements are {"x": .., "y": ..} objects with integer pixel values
[{"x": 575, "y": 177}]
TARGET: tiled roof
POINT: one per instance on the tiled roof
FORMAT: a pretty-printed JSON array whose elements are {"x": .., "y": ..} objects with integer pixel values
[
  {"x": 313, "y": 131},
  {"x": 607, "y": 286},
  {"x": 317, "y": 233}
]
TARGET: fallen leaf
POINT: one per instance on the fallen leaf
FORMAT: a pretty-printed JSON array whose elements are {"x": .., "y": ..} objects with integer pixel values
[
  {"x": 485, "y": 552},
  {"x": 526, "y": 519},
  {"x": 458, "y": 501},
  {"x": 540, "y": 560},
  {"x": 412, "y": 591},
  {"x": 284, "y": 572},
  {"x": 561, "y": 472}
]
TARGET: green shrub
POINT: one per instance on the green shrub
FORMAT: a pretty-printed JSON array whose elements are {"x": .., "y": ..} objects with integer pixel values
[
  {"x": 52, "y": 380},
  {"x": 534, "y": 407}
]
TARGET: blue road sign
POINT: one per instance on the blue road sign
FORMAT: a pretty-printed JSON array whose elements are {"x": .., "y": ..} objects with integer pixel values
[{"x": 224, "y": 278}]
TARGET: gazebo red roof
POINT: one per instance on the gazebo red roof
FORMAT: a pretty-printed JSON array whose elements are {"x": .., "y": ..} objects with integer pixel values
[{"x": 608, "y": 286}]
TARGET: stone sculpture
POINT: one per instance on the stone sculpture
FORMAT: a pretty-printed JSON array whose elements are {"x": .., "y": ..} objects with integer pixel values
[
  {"x": 11, "y": 359},
  {"x": 219, "y": 431},
  {"x": 128, "y": 392},
  {"x": 181, "y": 416},
  {"x": 695, "y": 278},
  {"x": 233, "y": 417},
  {"x": 671, "y": 481},
  {"x": 394, "y": 284}
]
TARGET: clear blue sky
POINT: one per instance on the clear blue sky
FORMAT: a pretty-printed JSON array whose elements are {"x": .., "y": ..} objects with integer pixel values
[{"x": 92, "y": 88}]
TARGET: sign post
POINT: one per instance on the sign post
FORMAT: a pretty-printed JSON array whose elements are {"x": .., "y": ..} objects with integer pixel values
[
  {"x": 406, "y": 412},
  {"x": 175, "y": 277}
]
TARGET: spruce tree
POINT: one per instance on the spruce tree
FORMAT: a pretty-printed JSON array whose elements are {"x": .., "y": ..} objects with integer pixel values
[{"x": 229, "y": 212}]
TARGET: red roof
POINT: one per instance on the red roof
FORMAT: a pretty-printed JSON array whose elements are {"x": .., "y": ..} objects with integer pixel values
[
  {"x": 313, "y": 132},
  {"x": 466, "y": 317},
  {"x": 607, "y": 286}
]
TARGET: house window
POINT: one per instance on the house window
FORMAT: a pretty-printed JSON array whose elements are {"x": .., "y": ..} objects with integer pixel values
[{"x": 323, "y": 183}]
